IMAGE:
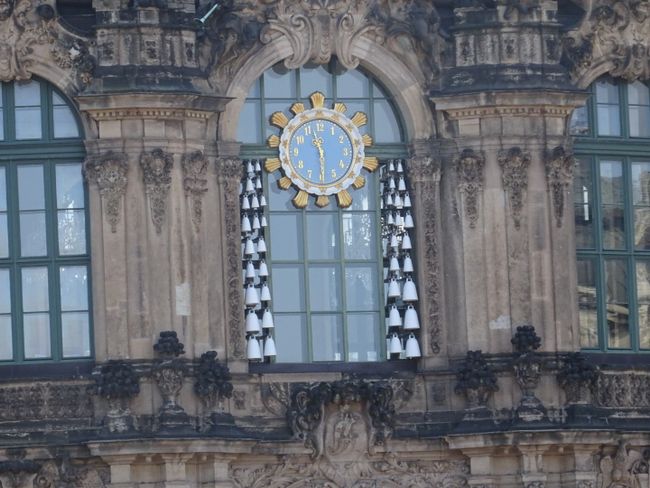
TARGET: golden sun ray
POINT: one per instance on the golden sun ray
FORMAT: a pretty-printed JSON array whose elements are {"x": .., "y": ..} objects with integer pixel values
[
  {"x": 322, "y": 201},
  {"x": 297, "y": 108},
  {"x": 359, "y": 182},
  {"x": 370, "y": 163},
  {"x": 280, "y": 120},
  {"x": 272, "y": 164},
  {"x": 344, "y": 198},
  {"x": 367, "y": 140},
  {"x": 340, "y": 107},
  {"x": 284, "y": 183},
  {"x": 301, "y": 199},
  {"x": 273, "y": 141},
  {"x": 359, "y": 119},
  {"x": 317, "y": 100}
]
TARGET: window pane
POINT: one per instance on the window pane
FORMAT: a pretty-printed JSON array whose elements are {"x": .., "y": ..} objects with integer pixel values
[
  {"x": 638, "y": 94},
  {"x": 639, "y": 121},
  {"x": 583, "y": 204},
  {"x": 31, "y": 195},
  {"x": 28, "y": 123},
  {"x": 617, "y": 309},
  {"x": 606, "y": 93},
  {"x": 72, "y": 232},
  {"x": 322, "y": 236},
  {"x": 643, "y": 302},
  {"x": 587, "y": 303},
  {"x": 352, "y": 84},
  {"x": 249, "y": 130},
  {"x": 327, "y": 337},
  {"x": 290, "y": 338},
  {"x": 65, "y": 124},
  {"x": 32, "y": 234},
  {"x": 75, "y": 334},
  {"x": 35, "y": 290},
  {"x": 324, "y": 288},
  {"x": 3, "y": 190},
  {"x": 386, "y": 126},
  {"x": 272, "y": 107},
  {"x": 641, "y": 201},
  {"x": 359, "y": 236},
  {"x": 74, "y": 288},
  {"x": 361, "y": 283},
  {"x": 363, "y": 337},
  {"x": 288, "y": 288},
  {"x": 312, "y": 80},
  {"x": 365, "y": 198},
  {"x": 5, "y": 292},
  {"x": 279, "y": 199},
  {"x": 2, "y": 124},
  {"x": 36, "y": 329},
  {"x": 27, "y": 94},
  {"x": 286, "y": 237},
  {"x": 4, "y": 236},
  {"x": 613, "y": 216},
  {"x": 280, "y": 85},
  {"x": 69, "y": 186},
  {"x": 609, "y": 120},
  {"x": 6, "y": 345},
  {"x": 579, "y": 124}
]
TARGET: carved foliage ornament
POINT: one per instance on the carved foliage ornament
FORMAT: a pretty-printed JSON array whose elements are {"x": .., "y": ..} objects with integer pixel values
[
  {"x": 615, "y": 32},
  {"x": 620, "y": 469},
  {"x": 470, "y": 167},
  {"x": 156, "y": 171},
  {"x": 514, "y": 177},
  {"x": 559, "y": 176},
  {"x": 195, "y": 168},
  {"x": 109, "y": 173}
]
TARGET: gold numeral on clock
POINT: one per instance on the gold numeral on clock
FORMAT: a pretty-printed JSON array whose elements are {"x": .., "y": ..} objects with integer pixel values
[
  {"x": 295, "y": 151},
  {"x": 301, "y": 164},
  {"x": 308, "y": 130},
  {"x": 309, "y": 173},
  {"x": 300, "y": 139},
  {"x": 320, "y": 127},
  {"x": 333, "y": 173},
  {"x": 332, "y": 130},
  {"x": 341, "y": 139},
  {"x": 341, "y": 164},
  {"x": 346, "y": 151}
]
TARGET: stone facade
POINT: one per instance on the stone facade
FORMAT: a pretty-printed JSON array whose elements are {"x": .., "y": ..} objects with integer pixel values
[{"x": 486, "y": 89}]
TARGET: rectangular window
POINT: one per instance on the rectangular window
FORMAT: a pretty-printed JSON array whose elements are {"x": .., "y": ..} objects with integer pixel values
[
  {"x": 638, "y": 97},
  {"x": 27, "y": 101}
]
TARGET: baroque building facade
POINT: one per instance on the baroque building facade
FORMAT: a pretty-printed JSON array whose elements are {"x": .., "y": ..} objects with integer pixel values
[{"x": 474, "y": 313}]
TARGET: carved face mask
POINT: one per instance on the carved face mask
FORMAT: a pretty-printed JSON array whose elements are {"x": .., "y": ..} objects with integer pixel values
[{"x": 6, "y": 8}]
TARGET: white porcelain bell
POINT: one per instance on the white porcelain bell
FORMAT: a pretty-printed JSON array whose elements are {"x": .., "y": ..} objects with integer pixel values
[
  {"x": 251, "y": 298},
  {"x": 395, "y": 345},
  {"x": 412, "y": 347},
  {"x": 394, "y": 264},
  {"x": 390, "y": 220},
  {"x": 255, "y": 203},
  {"x": 408, "y": 265},
  {"x": 409, "y": 294},
  {"x": 258, "y": 183},
  {"x": 397, "y": 201},
  {"x": 249, "y": 248},
  {"x": 245, "y": 204},
  {"x": 408, "y": 221},
  {"x": 250, "y": 270},
  {"x": 411, "y": 321},
  {"x": 407, "y": 201},
  {"x": 261, "y": 245},
  {"x": 267, "y": 319},
  {"x": 388, "y": 200},
  {"x": 269, "y": 347},
  {"x": 391, "y": 183},
  {"x": 253, "y": 349},
  {"x": 249, "y": 185},
  {"x": 262, "y": 201},
  {"x": 258, "y": 168},
  {"x": 399, "y": 220},
  {"x": 400, "y": 168},
  {"x": 406, "y": 242},
  {"x": 256, "y": 222},
  {"x": 263, "y": 222},
  {"x": 266, "y": 293},
  {"x": 393, "y": 289},
  {"x": 394, "y": 318},
  {"x": 401, "y": 186},
  {"x": 394, "y": 242},
  {"x": 245, "y": 224},
  {"x": 391, "y": 166},
  {"x": 252, "y": 323},
  {"x": 249, "y": 167},
  {"x": 264, "y": 270}
]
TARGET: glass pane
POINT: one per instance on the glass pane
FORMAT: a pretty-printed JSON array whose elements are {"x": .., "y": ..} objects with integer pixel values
[
  {"x": 72, "y": 232},
  {"x": 28, "y": 123},
  {"x": 65, "y": 124},
  {"x": 5, "y": 292},
  {"x": 354, "y": 106},
  {"x": 69, "y": 186},
  {"x": 324, "y": 288},
  {"x": 254, "y": 92},
  {"x": 359, "y": 236},
  {"x": 290, "y": 338},
  {"x": 249, "y": 130},
  {"x": 288, "y": 288},
  {"x": 638, "y": 94},
  {"x": 74, "y": 288},
  {"x": 280, "y": 85},
  {"x": 386, "y": 125},
  {"x": 363, "y": 340},
  {"x": 322, "y": 236},
  {"x": 583, "y": 204},
  {"x": 32, "y": 234},
  {"x": 643, "y": 302},
  {"x": 609, "y": 121},
  {"x": 352, "y": 84},
  {"x": 613, "y": 216},
  {"x": 327, "y": 337},
  {"x": 617, "y": 309},
  {"x": 587, "y": 303},
  {"x": 361, "y": 283},
  {"x": 6, "y": 345},
  {"x": 35, "y": 290},
  {"x": 4, "y": 236},
  {"x": 286, "y": 237},
  {"x": 31, "y": 195},
  {"x": 606, "y": 93},
  {"x": 3, "y": 190},
  {"x": 579, "y": 124},
  {"x": 27, "y": 94},
  {"x": 365, "y": 197},
  {"x": 378, "y": 91},
  {"x": 641, "y": 201},
  {"x": 279, "y": 199},
  {"x": 75, "y": 334},
  {"x": 312, "y": 80},
  {"x": 639, "y": 121},
  {"x": 2, "y": 123},
  {"x": 36, "y": 329}
]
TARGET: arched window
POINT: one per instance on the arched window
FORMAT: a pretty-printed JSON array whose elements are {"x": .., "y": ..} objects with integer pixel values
[
  {"x": 612, "y": 212},
  {"x": 44, "y": 260},
  {"x": 329, "y": 268}
]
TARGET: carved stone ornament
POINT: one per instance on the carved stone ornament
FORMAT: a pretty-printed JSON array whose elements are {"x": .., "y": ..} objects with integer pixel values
[
  {"x": 559, "y": 176},
  {"x": 17, "y": 471},
  {"x": 169, "y": 372},
  {"x": 213, "y": 381},
  {"x": 577, "y": 377},
  {"x": 615, "y": 34},
  {"x": 424, "y": 175},
  {"x": 622, "y": 390},
  {"x": 470, "y": 167},
  {"x": 528, "y": 371},
  {"x": 28, "y": 30},
  {"x": 476, "y": 380},
  {"x": 230, "y": 172},
  {"x": 156, "y": 170},
  {"x": 195, "y": 168},
  {"x": 117, "y": 382},
  {"x": 320, "y": 29},
  {"x": 109, "y": 173},
  {"x": 625, "y": 468},
  {"x": 514, "y": 177}
]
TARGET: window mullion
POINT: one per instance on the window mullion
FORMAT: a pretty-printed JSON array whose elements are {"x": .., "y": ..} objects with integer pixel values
[{"x": 305, "y": 270}]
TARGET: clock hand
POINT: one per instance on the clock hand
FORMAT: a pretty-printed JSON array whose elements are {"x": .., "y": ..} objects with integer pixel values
[{"x": 318, "y": 142}]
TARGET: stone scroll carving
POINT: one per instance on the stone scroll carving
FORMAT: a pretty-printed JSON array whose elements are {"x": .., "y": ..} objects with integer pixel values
[
  {"x": 613, "y": 33},
  {"x": 109, "y": 172},
  {"x": 470, "y": 168},
  {"x": 156, "y": 171},
  {"x": 559, "y": 176},
  {"x": 514, "y": 165},
  {"x": 195, "y": 168},
  {"x": 624, "y": 468}
]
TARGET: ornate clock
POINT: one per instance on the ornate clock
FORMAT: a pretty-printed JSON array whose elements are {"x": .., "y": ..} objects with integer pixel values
[{"x": 321, "y": 152}]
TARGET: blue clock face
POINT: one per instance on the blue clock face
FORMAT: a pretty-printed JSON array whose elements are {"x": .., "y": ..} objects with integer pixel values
[{"x": 320, "y": 152}]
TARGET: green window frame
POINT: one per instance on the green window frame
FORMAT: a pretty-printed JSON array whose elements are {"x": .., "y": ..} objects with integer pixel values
[
  {"x": 45, "y": 300},
  {"x": 612, "y": 206}
]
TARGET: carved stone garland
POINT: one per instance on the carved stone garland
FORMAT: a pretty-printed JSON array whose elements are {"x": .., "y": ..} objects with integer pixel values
[
  {"x": 109, "y": 173},
  {"x": 559, "y": 176},
  {"x": 470, "y": 167},
  {"x": 156, "y": 171},
  {"x": 195, "y": 168},
  {"x": 514, "y": 177}
]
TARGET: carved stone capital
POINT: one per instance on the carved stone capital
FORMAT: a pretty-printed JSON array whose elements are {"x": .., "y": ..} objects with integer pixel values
[
  {"x": 470, "y": 168},
  {"x": 156, "y": 172},
  {"x": 514, "y": 177},
  {"x": 195, "y": 168},
  {"x": 559, "y": 176},
  {"x": 109, "y": 172},
  {"x": 423, "y": 169}
]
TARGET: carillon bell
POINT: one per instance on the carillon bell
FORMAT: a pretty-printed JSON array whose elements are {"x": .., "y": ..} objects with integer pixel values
[
  {"x": 388, "y": 200},
  {"x": 394, "y": 318},
  {"x": 394, "y": 243},
  {"x": 249, "y": 248},
  {"x": 411, "y": 321},
  {"x": 264, "y": 223},
  {"x": 245, "y": 204},
  {"x": 264, "y": 270},
  {"x": 252, "y": 323},
  {"x": 391, "y": 166},
  {"x": 267, "y": 319},
  {"x": 394, "y": 264},
  {"x": 258, "y": 183},
  {"x": 407, "y": 201},
  {"x": 266, "y": 293},
  {"x": 249, "y": 167},
  {"x": 395, "y": 345},
  {"x": 406, "y": 241},
  {"x": 258, "y": 168},
  {"x": 391, "y": 183},
  {"x": 269, "y": 347},
  {"x": 245, "y": 224},
  {"x": 256, "y": 222},
  {"x": 398, "y": 201},
  {"x": 408, "y": 265},
  {"x": 393, "y": 289},
  {"x": 253, "y": 349},
  {"x": 249, "y": 185},
  {"x": 408, "y": 221},
  {"x": 251, "y": 297},
  {"x": 399, "y": 220},
  {"x": 255, "y": 203},
  {"x": 261, "y": 245},
  {"x": 250, "y": 270},
  {"x": 410, "y": 294},
  {"x": 262, "y": 200},
  {"x": 401, "y": 186},
  {"x": 390, "y": 220},
  {"x": 400, "y": 168},
  {"x": 412, "y": 347}
]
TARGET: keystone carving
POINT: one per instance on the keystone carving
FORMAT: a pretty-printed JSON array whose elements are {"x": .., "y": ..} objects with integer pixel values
[
  {"x": 476, "y": 380},
  {"x": 577, "y": 377},
  {"x": 156, "y": 170},
  {"x": 109, "y": 173},
  {"x": 195, "y": 168},
  {"x": 528, "y": 366},
  {"x": 169, "y": 372},
  {"x": 559, "y": 176},
  {"x": 622, "y": 469},
  {"x": 514, "y": 177},
  {"x": 470, "y": 167},
  {"x": 117, "y": 382}
]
